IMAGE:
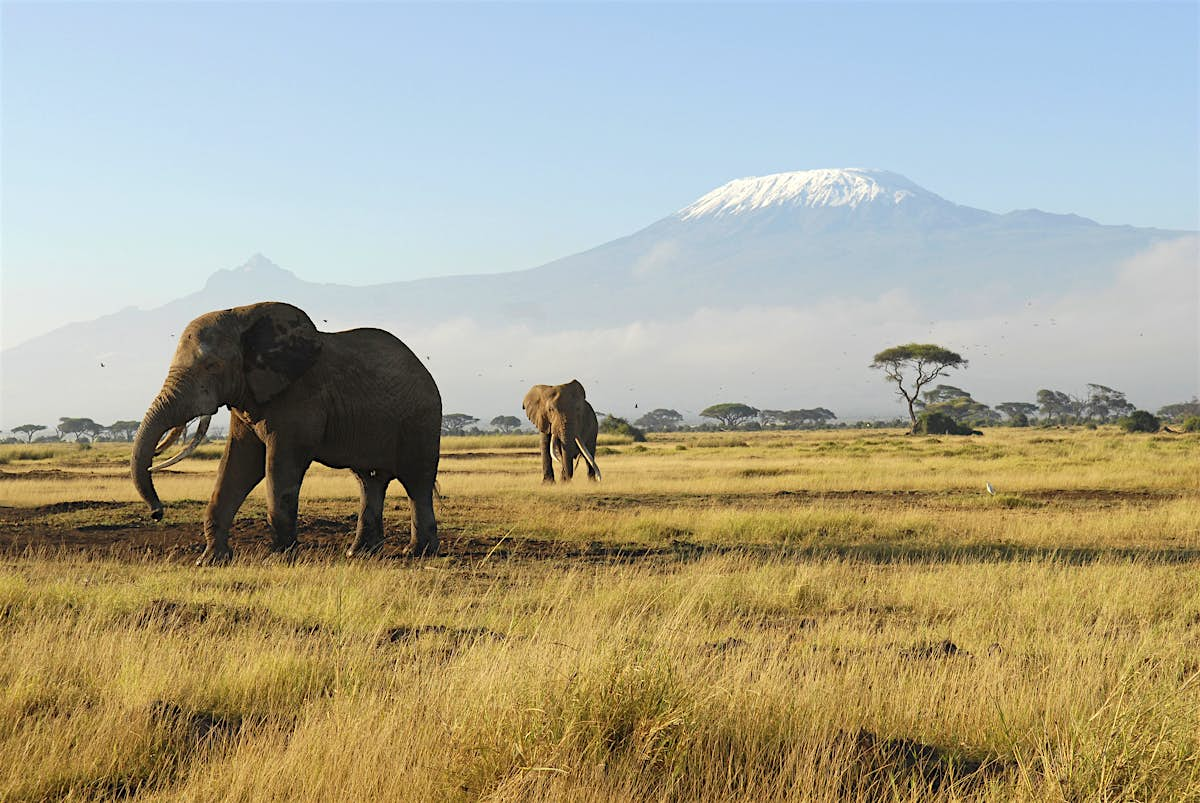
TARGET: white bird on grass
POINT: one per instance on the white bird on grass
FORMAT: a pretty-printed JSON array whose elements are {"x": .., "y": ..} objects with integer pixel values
[{"x": 990, "y": 489}]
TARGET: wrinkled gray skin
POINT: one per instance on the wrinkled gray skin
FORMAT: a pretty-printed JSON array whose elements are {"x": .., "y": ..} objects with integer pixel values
[
  {"x": 358, "y": 399},
  {"x": 567, "y": 421}
]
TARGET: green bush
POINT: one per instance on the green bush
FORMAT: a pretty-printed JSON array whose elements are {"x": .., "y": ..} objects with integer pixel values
[
  {"x": 612, "y": 425},
  {"x": 1139, "y": 421},
  {"x": 939, "y": 424},
  {"x": 1191, "y": 423}
]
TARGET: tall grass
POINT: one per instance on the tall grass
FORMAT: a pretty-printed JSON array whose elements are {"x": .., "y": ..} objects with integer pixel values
[
  {"x": 727, "y": 678},
  {"x": 822, "y": 616}
]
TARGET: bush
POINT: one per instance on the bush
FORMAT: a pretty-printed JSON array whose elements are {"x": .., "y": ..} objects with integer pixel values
[
  {"x": 1191, "y": 423},
  {"x": 612, "y": 425},
  {"x": 940, "y": 424},
  {"x": 1139, "y": 421}
]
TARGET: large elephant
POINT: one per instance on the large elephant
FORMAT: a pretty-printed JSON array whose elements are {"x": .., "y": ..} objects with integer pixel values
[
  {"x": 358, "y": 399},
  {"x": 568, "y": 426}
]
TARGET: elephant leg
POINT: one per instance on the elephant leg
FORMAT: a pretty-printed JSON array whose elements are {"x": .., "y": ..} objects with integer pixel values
[
  {"x": 423, "y": 534},
  {"x": 369, "y": 536},
  {"x": 285, "y": 472},
  {"x": 547, "y": 461},
  {"x": 242, "y": 467}
]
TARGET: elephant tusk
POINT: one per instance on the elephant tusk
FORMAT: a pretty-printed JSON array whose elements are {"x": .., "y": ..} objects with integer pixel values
[
  {"x": 201, "y": 430},
  {"x": 588, "y": 456},
  {"x": 169, "y": 439}
]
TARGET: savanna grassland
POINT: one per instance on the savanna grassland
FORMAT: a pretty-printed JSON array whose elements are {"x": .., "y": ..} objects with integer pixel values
[{"x": 742, "y": 616}]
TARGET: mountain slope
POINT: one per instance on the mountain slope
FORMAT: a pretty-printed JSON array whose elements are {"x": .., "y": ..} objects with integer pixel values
[{"x": 786, "y": 240}]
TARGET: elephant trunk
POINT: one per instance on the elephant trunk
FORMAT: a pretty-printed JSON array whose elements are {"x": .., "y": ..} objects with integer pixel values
[
  {"x": 564, "y": 441},
  {"x": 169, "y": 409}
]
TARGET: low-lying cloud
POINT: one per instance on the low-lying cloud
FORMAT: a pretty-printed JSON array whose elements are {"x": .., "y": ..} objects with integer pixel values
[{"x": 1140, "y": 334}]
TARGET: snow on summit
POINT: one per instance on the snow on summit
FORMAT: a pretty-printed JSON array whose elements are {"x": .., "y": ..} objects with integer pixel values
[{"x": 847, "y": 187}]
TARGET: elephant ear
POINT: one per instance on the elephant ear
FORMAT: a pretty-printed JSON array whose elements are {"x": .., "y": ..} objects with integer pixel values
[
  {"x": 280, "y": 344},
  {"x": 535, "y": 407}
]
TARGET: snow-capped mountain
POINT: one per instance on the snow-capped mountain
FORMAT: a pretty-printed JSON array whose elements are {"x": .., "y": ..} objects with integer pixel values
[
  {"x": 796, "y": 241},
  {"x": 808, "y": 188}
]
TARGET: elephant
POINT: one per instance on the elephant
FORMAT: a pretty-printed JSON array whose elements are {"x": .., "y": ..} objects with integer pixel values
[
  {"x": 358, "y": 399},
  {"x": 568, "y": 426}
]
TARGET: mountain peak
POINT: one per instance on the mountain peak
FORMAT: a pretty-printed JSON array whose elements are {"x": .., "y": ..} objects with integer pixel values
[
  {"x": 257, "y": 262},
  {"x": 257, "y": 271},
  {"x": 842, "y": 187}
]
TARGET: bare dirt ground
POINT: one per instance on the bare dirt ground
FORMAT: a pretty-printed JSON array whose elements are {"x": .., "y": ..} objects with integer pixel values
[{"x": 122, "y": 531}]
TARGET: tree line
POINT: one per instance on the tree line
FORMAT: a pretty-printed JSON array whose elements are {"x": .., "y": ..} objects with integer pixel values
[
  {"x": 79, "y": 429},
  {"x": 1099, "y": 404},
  {"x": 945, "y": 408},
  {"x": 912, "y": 368}
]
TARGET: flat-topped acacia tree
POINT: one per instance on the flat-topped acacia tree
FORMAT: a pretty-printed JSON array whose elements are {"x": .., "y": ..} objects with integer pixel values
[
  {"x": 730, "y": 414},
  {"x": 28, "y": 429},
  {"x": 923, "y": 362}
]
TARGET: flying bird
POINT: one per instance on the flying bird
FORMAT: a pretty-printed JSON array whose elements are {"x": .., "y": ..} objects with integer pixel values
[{"x": 990, "y": 489}]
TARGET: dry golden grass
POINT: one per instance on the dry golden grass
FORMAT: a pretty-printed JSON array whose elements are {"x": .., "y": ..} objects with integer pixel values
[{"x": 821, "y": 616}]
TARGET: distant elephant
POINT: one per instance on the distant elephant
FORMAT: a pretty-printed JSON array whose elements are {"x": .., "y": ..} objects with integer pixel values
[
  {"x": 358, "y": 399},
  {"x": 568, "y": 426}
]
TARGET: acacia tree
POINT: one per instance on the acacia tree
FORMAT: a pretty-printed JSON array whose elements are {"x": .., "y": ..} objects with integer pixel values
[
  {"x": 958, "y": 404},
  {"x": 795, "y": 419},
  {"x": 1058, "y": 406},
  {"x": 1106, "y": 404},
  {"x": 1018, "y": 413},
  {"x": 29, "y": 429},
  {"x": 918, "y": 364},
  {"x": 660, "y": 420},
  {"x": 124, "y": 429},
  {"x": 455, "y": 423},
  {"x": 78, "y": 427},
  {"x": 817, "y": 416},
  {"x": 506, "y": 423},
  {"x": 730, "y": 414}
]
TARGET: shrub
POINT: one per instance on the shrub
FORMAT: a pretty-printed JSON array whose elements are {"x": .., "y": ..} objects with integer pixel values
[
  {"x": 939, "y": 424},
  {"x": 619, "y": 426},
  {"x": 1139, "y": 421},
  {"x": 1191, "y": 423}
]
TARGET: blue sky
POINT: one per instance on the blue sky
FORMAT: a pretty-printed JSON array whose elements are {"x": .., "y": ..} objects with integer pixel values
[{"x": 147, "y": 145}]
